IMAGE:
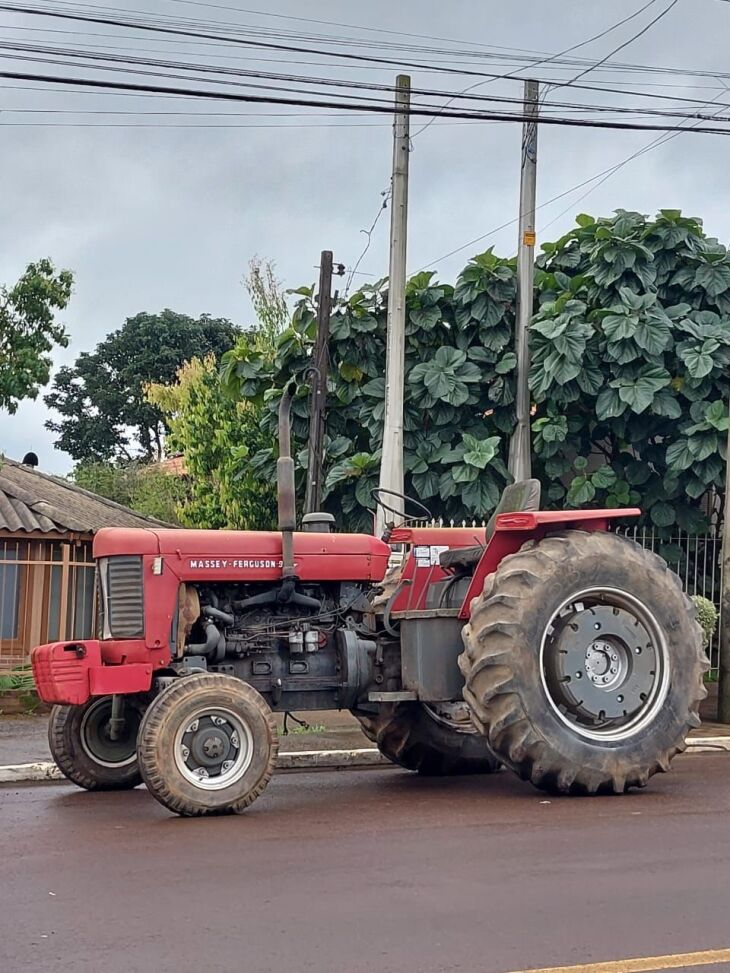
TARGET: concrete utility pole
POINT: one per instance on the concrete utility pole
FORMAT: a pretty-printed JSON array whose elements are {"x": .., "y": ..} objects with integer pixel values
[
  {"x": 391, "y": 465},
  {"x": 520, "y": 464},
  {"x": 318, "y": 398},
  {"x": 723, "y": 688}
]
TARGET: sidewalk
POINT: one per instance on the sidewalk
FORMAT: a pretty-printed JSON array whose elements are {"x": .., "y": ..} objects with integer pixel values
[{"x": 24, "y": 739}]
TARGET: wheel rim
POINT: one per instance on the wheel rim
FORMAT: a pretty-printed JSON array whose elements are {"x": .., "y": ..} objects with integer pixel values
[
  {"x": 454, "y": 716},
  {"x": 604, "y": 664},
  {"x": 96, "y": 741},
  {"x": 213, "y": 748}
]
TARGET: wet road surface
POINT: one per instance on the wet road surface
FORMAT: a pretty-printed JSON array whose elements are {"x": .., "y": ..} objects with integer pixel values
[{"x": 375, "y": 871}]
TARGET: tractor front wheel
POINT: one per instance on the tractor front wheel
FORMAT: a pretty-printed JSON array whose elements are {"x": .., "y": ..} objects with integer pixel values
[
  {"x": 434, "y": 739},
  {"x": 583, "y": 663},
  {"x": 85, "y": 749},
  {"x": 207, "y": 745}
]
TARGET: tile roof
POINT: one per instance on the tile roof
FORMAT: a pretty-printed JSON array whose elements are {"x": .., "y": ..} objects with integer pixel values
[{"x": 33, "y": 501}]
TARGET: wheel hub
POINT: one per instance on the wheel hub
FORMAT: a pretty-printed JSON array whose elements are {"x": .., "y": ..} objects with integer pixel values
[
  {"x": 603, "y": 663},
  {"x": 214, "y": 749},
  {"x": 606, "y": 663},
  {"x": 96, "y": 738}
]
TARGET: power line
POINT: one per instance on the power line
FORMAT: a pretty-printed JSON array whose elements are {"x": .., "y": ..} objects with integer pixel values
[
  {"x": 386, "y": 194},
  {"x": 227, "y": 40},
  {"x": 544, "y": 61},
  {"x": 214, "y": 95},
  {"x": 166, "y": 64},
  {"x": 647, "y": 27},
  {"x": 603, "y": 176},
  {"x": 158, "y": 27}
]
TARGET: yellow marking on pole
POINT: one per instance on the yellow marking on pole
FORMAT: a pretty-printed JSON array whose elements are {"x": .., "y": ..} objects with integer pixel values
[{"x": 646, "y": 964}]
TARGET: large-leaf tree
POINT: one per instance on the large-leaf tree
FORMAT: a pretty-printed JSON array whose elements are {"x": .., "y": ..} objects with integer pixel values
[
  {"x": 630, "y": 381},
  {"x": 631, "y": 348},
  {"x": 458, "y": 396}
]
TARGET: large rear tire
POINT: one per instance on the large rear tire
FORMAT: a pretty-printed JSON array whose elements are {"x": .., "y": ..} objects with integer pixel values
[
  {"x": 583, "y": 663},
  {"x": 81, "y": 745},
  {"x": 434, "y": 740},
  {"x": 208, "y": 745}
]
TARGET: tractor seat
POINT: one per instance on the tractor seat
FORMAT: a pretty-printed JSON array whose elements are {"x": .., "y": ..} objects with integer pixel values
[{"x": 523, "y": 495}]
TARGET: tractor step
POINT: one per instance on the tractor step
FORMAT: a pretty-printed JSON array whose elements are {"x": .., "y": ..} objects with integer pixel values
[{"x": 404, "y": 696}]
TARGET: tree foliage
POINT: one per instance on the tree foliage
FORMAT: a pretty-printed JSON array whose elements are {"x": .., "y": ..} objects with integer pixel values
[
  {"x": 630, "y": 343},
  {"x": 631, "y": 347},
  {"x": 216, "y": 436},
  {"x": 139, "y": 486},
  {"x": 458, "y": 395},
  {"x": 215, "y": 433},
  {"x": 29, "y": 330},
  {"x": 269, "y": 303},
  {"x": 104, "y": 414}
]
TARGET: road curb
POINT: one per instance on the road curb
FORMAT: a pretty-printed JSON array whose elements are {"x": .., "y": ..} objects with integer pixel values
[
  {"x": 308, "y": 760},
  {"x": 45, "y": 770}
]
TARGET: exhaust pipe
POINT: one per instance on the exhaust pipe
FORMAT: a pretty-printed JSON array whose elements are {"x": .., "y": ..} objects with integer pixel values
[{"x": 285, "y": 488}]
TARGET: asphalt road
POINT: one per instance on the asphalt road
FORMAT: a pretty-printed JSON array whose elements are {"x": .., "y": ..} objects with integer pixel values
[{"x": 366, "y": 872}]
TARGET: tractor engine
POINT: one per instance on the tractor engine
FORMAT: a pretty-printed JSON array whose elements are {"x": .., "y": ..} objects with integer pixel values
[{"x": 313, "y": 648}]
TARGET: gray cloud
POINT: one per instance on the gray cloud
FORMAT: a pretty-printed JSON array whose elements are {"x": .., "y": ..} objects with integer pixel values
[{"x": 150, "y": 218}]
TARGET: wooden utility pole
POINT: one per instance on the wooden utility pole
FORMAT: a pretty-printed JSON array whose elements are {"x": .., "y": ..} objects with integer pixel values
[
  {"x": 520, "y": 463},
  {"x": 318, "y": 398},
  {"x": 391, "y": 464},
  {"x": 723, "y": 688}
]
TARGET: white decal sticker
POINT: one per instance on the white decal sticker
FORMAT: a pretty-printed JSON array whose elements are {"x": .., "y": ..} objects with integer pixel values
[
  {"x": 246, "y": 564},
  {"x": 428, "y": 556}
]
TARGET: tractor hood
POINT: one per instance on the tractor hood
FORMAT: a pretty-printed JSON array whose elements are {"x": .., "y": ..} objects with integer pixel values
[{"x": 250, "y": 555}]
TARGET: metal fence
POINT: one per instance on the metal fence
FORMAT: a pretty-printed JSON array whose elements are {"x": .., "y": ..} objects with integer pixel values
[
  {"x": 47, "y": 592},
  {"x": 696, "y": 558}
]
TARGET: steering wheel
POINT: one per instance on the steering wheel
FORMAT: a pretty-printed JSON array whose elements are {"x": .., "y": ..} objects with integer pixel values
[{"x": 377, "y": 496}]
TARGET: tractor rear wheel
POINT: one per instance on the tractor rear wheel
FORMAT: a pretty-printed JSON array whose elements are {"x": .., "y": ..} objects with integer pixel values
[
  {"x": 207, "y": 745},
  {"x": 81, "y": 744},
  {"x": 584, "y": 663},
  {"x": 434, "y": 739}
]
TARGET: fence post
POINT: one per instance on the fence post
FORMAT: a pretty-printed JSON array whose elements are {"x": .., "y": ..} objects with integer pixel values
[{"x": 723, "y": 687}]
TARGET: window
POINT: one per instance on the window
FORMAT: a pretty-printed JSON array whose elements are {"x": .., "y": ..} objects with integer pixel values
[{"x": 12, "y": 589}]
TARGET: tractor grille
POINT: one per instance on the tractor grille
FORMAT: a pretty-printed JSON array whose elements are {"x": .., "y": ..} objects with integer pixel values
[{"x": 124, "y": 597}]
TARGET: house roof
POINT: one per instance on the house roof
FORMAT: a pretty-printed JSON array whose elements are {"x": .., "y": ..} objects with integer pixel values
[
  {"x": 173, "y": 465},
  {"x": 33, "y": 501}
]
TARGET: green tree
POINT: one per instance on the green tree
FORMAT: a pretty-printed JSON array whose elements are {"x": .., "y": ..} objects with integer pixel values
[
  {"x": 458, "y": 395},
  {"x": 216, "y": 436},
  {"x": 630, "y": 377},
  {"x": 29, "y": 330},
  {"x": 269, "y": 302},
  {"x": 141, "y": 487},
  {"x": 631, "y": 348},
  {"x": 104, "y": 414}
]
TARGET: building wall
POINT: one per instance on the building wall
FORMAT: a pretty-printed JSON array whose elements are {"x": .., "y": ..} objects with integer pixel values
[{"x": 47, "y": 592}]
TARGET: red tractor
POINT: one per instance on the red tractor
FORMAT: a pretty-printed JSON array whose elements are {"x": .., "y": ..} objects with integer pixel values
[{"x": 547, "y": 644}]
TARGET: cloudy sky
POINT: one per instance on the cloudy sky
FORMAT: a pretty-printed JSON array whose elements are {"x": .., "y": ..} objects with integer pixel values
[{"x": 149, "y": 214}]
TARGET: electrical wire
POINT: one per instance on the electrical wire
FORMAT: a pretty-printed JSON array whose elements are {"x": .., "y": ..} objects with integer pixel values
[
  {"x": 621, "y": 47},
  {"x": 386, "y": 194},
  {"x": 169, "y": 28},
  {"x": 544, "y": 61},
  {"x": 121, "y": 62},
  {"x": 604, "y": 175},
  {"x": 390, "y": 109}
]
